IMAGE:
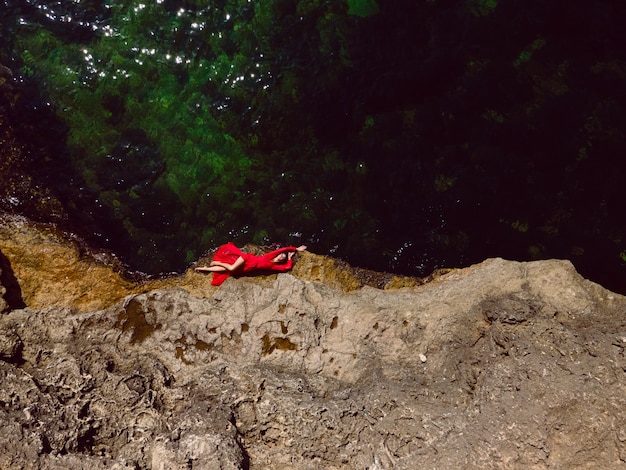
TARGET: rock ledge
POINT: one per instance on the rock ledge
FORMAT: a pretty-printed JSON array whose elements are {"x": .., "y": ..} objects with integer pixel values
[{"x": 499, "y": 365}]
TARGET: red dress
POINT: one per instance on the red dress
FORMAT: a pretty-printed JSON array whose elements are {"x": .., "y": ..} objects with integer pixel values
[{"x": 229, "y": 253}]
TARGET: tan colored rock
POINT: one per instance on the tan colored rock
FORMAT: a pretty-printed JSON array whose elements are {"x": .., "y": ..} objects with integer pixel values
[
  {"x": 499, "y": 365},
  {"x": 54, "y": 269}
]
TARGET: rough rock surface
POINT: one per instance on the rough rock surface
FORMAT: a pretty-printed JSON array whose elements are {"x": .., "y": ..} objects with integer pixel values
[{"x": 499, "y": 365}]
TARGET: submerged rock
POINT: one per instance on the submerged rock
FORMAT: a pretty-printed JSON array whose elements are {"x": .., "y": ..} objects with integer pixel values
[{"x": 499, "y": 365}]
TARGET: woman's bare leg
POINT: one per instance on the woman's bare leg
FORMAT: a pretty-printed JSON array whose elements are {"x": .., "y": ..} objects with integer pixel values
[
  {"x": 228, "y": 267},
  {"x": 221, "y": 267},
  {"x": 211, "y": 269}
]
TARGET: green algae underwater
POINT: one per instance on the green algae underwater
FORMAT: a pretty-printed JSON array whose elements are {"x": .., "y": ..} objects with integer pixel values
[{"x": 400, "y": 137}]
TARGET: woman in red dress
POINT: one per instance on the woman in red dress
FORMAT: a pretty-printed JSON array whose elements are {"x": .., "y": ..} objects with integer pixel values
[{"x": 229, "y": 259}]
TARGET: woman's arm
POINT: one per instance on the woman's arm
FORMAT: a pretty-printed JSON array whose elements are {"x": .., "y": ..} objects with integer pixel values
[
  {"x": 300, "y": 248},
  {"x": 272, "y": 262},
  {"x": 290, "y": 250}
]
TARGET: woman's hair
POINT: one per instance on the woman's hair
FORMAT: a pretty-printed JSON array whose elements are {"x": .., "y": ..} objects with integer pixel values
[{"x": 280, "y": 258}]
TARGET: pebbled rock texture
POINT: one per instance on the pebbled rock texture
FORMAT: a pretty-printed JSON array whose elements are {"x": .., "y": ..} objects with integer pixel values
[{"x": 499, "y": 365}]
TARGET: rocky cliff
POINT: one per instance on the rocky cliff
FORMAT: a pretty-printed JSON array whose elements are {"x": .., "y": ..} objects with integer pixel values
[{"x": 499, "y": 365}]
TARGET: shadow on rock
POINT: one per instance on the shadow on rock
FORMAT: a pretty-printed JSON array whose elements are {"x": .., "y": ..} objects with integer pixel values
[{"x": 13, "y": 294}]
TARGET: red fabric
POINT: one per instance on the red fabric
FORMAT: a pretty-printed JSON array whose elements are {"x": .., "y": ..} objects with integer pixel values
[
  {"x": 229, "y": 253},
  {"x": 264, "y": 262},
  {"x": 219, "y": 278}
]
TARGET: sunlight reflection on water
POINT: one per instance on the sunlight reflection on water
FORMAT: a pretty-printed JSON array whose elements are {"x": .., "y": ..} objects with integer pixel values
[{"x": 192, "y": 22}]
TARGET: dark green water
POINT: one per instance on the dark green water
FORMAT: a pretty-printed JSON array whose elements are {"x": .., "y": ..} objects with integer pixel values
[{"x": 399, "y": 137}]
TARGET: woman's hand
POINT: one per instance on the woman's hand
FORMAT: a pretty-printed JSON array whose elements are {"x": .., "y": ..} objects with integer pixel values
[{"x": 291, "y": 253}]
